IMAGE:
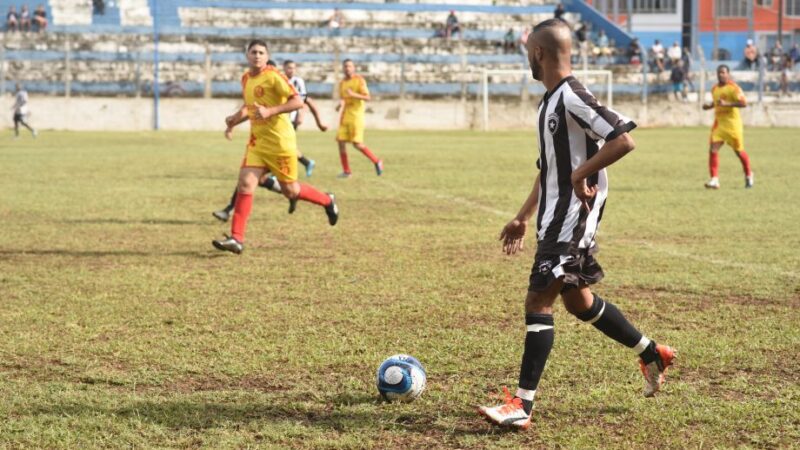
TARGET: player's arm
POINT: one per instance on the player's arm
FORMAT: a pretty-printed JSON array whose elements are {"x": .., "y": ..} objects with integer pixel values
[
  {"x": 513, "y": 234},
  {"x": 611, "y": 152},
  {"x": 340, "y": 106},
  {"x": 265, "y": 112},
  {"x": 359, "y": 96},
  {"x": 740, "y": 102}
]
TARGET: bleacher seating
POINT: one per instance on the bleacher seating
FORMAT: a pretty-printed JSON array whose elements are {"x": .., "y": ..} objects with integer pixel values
[{"x": 392, "y": 43}]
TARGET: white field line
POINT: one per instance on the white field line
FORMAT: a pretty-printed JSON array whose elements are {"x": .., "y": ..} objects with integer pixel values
[{"x": 649, "y": 245}]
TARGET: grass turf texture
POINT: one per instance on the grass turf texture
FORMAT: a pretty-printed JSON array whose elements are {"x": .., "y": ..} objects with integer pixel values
[{"x": 121, "y": 326}]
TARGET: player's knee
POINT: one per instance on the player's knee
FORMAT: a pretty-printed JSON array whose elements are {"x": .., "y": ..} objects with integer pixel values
[
  {"x": 538, "y": 303},
  {"x": 290, "y": 190}
]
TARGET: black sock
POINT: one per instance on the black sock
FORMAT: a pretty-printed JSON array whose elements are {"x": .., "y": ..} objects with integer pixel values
[
  {"x": 304, "y": 161},
  {"x": 608, "y": 319},
  {"x": 538, "y": 343},
  {"x": 230, "y": 206},
  {"x": 271, "y": 184}
]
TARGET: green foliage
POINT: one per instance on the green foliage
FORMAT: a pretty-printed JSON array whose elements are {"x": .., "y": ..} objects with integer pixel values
[{"x": 121, "y": 326}]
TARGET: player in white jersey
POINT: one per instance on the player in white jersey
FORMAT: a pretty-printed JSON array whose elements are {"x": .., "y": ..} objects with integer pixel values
[
  {"x": 21, "y": 110},
  {"x": 578, "y": 139}
]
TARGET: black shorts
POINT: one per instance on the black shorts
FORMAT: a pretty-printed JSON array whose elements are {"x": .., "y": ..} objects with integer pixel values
[
  {"x": 18, "y": 117},
  {"x": 576, "y": 270}
]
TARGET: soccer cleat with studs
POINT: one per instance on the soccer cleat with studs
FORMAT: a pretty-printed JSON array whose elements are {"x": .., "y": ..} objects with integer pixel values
[
  {"x": 292, "y": 205},
  {"x": 310, "y": 167},
  {"x": 656, "y": 371},
  {"x": 222, "y": 215},
  {"x": 379, "y": 167},
  {"x": 749, "y": 181},
  {"x": 510, "y": 414},
  {"x": 712, "y": 183},
  {"x": 228, "y": 244},
  {"x": 332, "y": 210}
]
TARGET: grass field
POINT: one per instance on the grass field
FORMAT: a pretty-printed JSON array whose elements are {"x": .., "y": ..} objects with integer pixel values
[{"x": 121, "y": 326}]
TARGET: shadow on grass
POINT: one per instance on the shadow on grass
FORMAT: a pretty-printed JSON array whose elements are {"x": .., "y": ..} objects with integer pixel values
[{"x": 336, "y": 416}]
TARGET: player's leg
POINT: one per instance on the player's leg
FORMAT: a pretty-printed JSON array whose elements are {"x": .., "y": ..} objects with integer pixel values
[
  {"x": 17, "y": 119},
  {"x": 25, "y": 124},
  {"x": 606, "y": 317},
  {"x": 225, "y": 213},
  {"x": 315, "y": 112},
  {"x": 286, "y": 172},
  {"x": 248, "y": 181},
  {"x": 542, "y": 292},
  {"x": 309, "y": 164},
  {"x": 270, "y": 183},
  {"x": 713, "y": 162},
  {"x": 358, "y": 143},
  {"x": 737, "y": 143},
  {"x": 343, "y": 158}
]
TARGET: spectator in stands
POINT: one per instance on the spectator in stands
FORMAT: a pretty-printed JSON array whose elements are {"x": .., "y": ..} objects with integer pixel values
[
  {"x": 794, "y": 54},
  {"x": 40, "y": 18},
  {"x": 686, "y": 61},
  {"x": 24, "y": 19},
  {"x": 786, "y": 73},
  {"x": 336, "y": 20},
  {"x": 12, "y": 19},
  {"x": 601, "y": 49},
  {"x": 657, "y": 53},
  {"x": 523, "y": 40},
  {"x": 583, "y": 45},
  {"x": 509, "y": 41},
  {"x": 559, "y": 12},
  {"x": 750, "y": 55},
  {"x": 776, "y": 56},
  {"x": 634, "y": 53},
  {"x": 451, "y": 25},
  {"x": 99, "y": 7},
  {"x": 674, "y": 53},
  {"x": 678, "y": 76}
]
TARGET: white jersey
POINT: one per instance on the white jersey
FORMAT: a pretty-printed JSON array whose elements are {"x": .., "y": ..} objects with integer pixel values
[
  {"x": 572, "y": 128},
  {"x": 21, "y": 103},
  {"x": 300, "y": 87}
]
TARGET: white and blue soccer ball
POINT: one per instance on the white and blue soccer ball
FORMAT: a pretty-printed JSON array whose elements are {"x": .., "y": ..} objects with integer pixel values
[{"x": 401, "y": 378}]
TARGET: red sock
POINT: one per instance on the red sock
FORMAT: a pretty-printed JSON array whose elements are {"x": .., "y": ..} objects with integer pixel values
[
  {"x": 241, "y": 211},
  {"x": 309, "y": 194},
  {"x": 713, "y": 163},
  {"x": 368, "y": 153},
  {"x": 345, "y": 164},
  {"x": 745, "y": 159}
]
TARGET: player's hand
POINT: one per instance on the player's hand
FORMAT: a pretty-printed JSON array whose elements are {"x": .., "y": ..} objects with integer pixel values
[
  {"x": 583, "y": 192},
  {"x": 350, "y": 92},
  {"x": 229, "y": 133},
  {"x": 513, "y": 236},
  {"x": 707, "y": 106},
  {"x": 338, "y": 107},
  {"x": 262, "y": 112},
  {"x": 229, "y": 121},
  {"x": 724, "y": 103}
]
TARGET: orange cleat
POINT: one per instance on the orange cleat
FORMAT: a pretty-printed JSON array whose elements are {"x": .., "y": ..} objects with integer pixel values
[
  {"x": 655, "y": 372},
  {"x": 510, "y": 414}
]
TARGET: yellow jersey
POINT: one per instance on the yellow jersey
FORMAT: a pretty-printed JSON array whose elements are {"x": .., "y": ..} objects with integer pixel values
[
  {"x": 353, "y": 107},
  {"x": 727, "y": 116},
  {"x": 269, "y": 88}
]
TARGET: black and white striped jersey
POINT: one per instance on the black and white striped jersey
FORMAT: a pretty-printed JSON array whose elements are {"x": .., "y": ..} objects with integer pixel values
[{"x": 572, "y": 128}]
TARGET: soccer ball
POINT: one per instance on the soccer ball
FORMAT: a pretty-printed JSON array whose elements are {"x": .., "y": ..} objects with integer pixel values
[{"x": 401, "y": 378}]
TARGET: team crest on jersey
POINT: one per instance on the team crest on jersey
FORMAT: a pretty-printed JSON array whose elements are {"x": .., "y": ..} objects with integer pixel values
[
  {"x": 545, "y": 266},
  {"x": 552, "y": 123},
  {"x": 259, "y": 91}
]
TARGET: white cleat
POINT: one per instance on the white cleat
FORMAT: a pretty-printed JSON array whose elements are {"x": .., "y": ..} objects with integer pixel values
[
  {"x": 656, "y": 371},
  {"x": 510, "y": 414},
  {"x": 712, "y": 183},
  {"x": 749, "y": 181}
]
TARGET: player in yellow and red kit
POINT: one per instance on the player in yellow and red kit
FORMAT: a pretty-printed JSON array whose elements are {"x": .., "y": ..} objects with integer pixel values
[
  {"x": 727, "y": 129},
  {"x": 272, "y": 145},
  {"x": 354, "y": 93}
]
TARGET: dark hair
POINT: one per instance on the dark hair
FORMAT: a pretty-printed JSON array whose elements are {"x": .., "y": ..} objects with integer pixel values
[
  {"x": 271, "y": 62},
  {"x": 548, "y": 23},
  {"x": 255, "y": 42},
  {"x": 347, "y": 60},
  {"x": 287, "y": 62},
  {"x": 724, "y": 66}
]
